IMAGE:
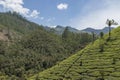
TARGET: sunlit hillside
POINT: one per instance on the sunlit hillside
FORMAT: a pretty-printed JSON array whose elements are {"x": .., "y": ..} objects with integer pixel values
[{"x": 98, "y": 61}]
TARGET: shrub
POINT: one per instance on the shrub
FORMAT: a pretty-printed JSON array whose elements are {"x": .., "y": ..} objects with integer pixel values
[
  {"x": 101, "y": 34},
  {"x": 101, "y": 48},
  {"x": 113, "y": 61},
  {"x": 80, "y": 63}
]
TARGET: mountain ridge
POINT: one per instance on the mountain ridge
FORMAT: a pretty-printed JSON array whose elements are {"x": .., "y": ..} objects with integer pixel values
[
  {"x": 59, "y": 29},
  {"x": 97, "y": 31}
]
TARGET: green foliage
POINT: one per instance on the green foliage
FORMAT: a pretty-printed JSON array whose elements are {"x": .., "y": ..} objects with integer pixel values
[
  {"x": 17, "y": 23},
  {"x": 43, "y": 42},
  {"x": 109, "y": 23},
  {"x": 31, "y": 48},
  {"x": 101, "y": 48},
  {"x": 114, "y": 60},
  {"x": 93, "y": 36},
  {"x": 2, "y": 47},
  {"x": 101, "y": 35},
  {"x": 80, "y": 63},
  {"x": 74, "y": 41},
  {"x": 95, "y": 66},
  {"x": 66, "y": 33},
  {"x": 101, "y": 44},
  {"x": 37, "y": 77},
  {"x": 102, "y": 75}
]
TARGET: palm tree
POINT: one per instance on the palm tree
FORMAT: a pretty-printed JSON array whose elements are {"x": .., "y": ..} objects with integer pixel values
[{"x": 109, "y": 23}]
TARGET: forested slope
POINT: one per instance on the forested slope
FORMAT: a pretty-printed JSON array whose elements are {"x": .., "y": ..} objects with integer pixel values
[{"x": 26, "y": 48}]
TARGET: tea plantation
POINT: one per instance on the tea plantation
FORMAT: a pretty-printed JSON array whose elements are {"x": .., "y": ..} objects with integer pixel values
[{"x": 100, "y": 60}]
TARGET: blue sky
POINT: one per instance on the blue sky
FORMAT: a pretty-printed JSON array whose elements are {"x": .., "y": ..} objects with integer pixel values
[{"x": 79, "y": 14}]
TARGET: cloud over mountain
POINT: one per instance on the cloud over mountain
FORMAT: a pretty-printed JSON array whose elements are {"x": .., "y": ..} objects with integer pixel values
[{"x": 17, "y": 6}]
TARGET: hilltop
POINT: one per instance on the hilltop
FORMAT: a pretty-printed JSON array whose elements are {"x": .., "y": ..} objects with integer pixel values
[{"x": 98, "y": 61}]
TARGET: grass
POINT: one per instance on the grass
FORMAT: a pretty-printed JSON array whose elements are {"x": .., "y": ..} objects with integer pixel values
[{"x": 89, "y": 63}]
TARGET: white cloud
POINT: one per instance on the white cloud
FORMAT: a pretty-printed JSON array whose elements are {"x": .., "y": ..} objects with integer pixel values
[
  {"x": 97, "y": 18},
  {"x": 34, "y": 14},
  {"x": 52, "y": 26},
  {"x": 41, "y": 18},
  {"x": 17, "y": 6},
  {"x": 62, "y": 6}
]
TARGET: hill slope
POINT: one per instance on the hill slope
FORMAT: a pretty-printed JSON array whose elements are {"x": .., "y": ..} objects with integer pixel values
[
  {"x": 30, "y": 49},
  {"x": 16, "y": 24},
  {"x": 34, "y": 51},
  {"x": 89, "y": 64}
]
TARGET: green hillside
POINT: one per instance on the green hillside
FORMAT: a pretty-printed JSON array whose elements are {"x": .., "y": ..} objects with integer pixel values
[
  {"x": 35, "y": 49},
  {"x": 16, "y": 22},
  {"x": 98, "y": 61},
  {"x": 14, "y": 26},
  {"x": 26, "y": 48}
]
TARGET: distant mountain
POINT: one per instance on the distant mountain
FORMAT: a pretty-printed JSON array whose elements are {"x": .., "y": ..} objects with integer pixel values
[
  {"x": 74, "y": 30},
  {"x": 59, "y": 29},
  {"x": 97, "y": 31}
]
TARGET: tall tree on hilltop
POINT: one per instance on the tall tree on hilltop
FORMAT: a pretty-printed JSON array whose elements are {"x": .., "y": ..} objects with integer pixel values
[{"x": 109, "y": 23}]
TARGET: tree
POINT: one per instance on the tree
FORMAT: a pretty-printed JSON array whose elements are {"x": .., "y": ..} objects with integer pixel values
[
  {"x": 2, "y": 48},
  {"x": 93, "y": 36},
  {"x": 101, "y": 48},
  {"x": 37, "y": 77},
  {"x": 65, "y": 33},
  {"x": 101, "y": 35},
  {"x": 9, "y": 36},
  {"x": 80, "y": 63},
  {"x": 102, "y": 75},
  {"x": 109, "y": 23},
  {"x": 114, "y": 60}
]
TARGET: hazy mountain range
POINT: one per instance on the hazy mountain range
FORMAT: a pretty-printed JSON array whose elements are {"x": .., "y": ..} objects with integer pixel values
[
  {"x": 97, "y": 31},
  {"x": 59, "y": 29}
]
